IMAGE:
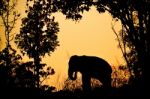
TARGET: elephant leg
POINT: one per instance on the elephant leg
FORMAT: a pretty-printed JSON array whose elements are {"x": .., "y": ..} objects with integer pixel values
[
  {"x": 86, "y": 83},
  {"x": 106, "y": 81}
]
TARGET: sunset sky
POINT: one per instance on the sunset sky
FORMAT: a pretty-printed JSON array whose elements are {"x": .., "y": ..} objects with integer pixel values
[{"x": 90, "y": 36}]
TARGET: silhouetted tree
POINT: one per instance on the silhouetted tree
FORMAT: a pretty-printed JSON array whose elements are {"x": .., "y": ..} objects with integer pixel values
[
  {"x": 38, "y": 34},
  {"x": 25, "y": 77},
  {"x": 134, "y": 34},
  {"x": 7, "y": 72},
  {"x": 128, "y": 51},
  {"x": 134, "y": 16},
  {"x": 9, "y": 16},
  {"x": 9, "y": 59}
]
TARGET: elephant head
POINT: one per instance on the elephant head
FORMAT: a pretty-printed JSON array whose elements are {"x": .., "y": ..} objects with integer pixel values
[{"x": 72, "y": 71}]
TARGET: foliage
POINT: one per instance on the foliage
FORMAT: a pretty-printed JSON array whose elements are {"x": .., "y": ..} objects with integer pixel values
[
  {"x": 9, "y": 59},
  {"x": 2, "y": 6},
  {"x": 9, "y": 17},
  {"x": 120, "y": 76},
  {"x": 13, "y": 72},
  {"x": 18, "y": 74},
  {"x": 128, "y": 51},
  {"x": 7, "y": 71},
  {"x": 38, "y": 30},
  {"x": 38, "y": 34}
]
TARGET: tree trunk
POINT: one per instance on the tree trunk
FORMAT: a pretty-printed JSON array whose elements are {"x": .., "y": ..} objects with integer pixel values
[{"x": 37, "y": 69}]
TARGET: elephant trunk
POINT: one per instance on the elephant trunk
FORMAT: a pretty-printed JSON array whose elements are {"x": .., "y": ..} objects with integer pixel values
[{"x": 72, "y": 75}]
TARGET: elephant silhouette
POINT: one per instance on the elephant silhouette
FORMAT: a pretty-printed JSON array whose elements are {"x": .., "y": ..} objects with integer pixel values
[{"x": 90, "y": 67}]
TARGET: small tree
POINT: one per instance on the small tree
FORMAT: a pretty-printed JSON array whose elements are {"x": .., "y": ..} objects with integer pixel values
[
  {"x": 38, "y": 34},
  {"x": 7, "y": 71},
  {"x": 128, "y": 51},
  {"x": 9, "y": 60},
  {"x": 9, "y": 17}
]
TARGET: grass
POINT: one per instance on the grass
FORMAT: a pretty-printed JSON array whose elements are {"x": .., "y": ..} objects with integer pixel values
[{"x": 73, "y": 90}]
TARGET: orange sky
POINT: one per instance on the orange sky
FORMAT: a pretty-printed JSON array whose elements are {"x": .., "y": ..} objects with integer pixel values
[{"x": 90, "y": 36}]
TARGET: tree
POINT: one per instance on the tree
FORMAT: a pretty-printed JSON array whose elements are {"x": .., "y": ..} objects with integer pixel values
[
  {"x": 38, "y": 34},
  {"x": 7, "y": 71},
  {"x": 135, "y": 18},
  {"x": 0, "y": 42},
  {"x": 128, "y": 51},
  {"x": 9, "y": 17},
  {"x": 2, "y": 4},
  {"x": 135, "y": 33},
  {"x": 9, "y": 59}
]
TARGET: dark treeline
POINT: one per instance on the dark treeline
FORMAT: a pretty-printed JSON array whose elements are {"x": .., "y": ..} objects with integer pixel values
[
  {"x": 35, "y": 42},
  {"x": 32, "y": 41}
]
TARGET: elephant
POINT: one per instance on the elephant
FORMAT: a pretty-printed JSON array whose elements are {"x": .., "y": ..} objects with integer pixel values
[{"x": 90, "y": 67}]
